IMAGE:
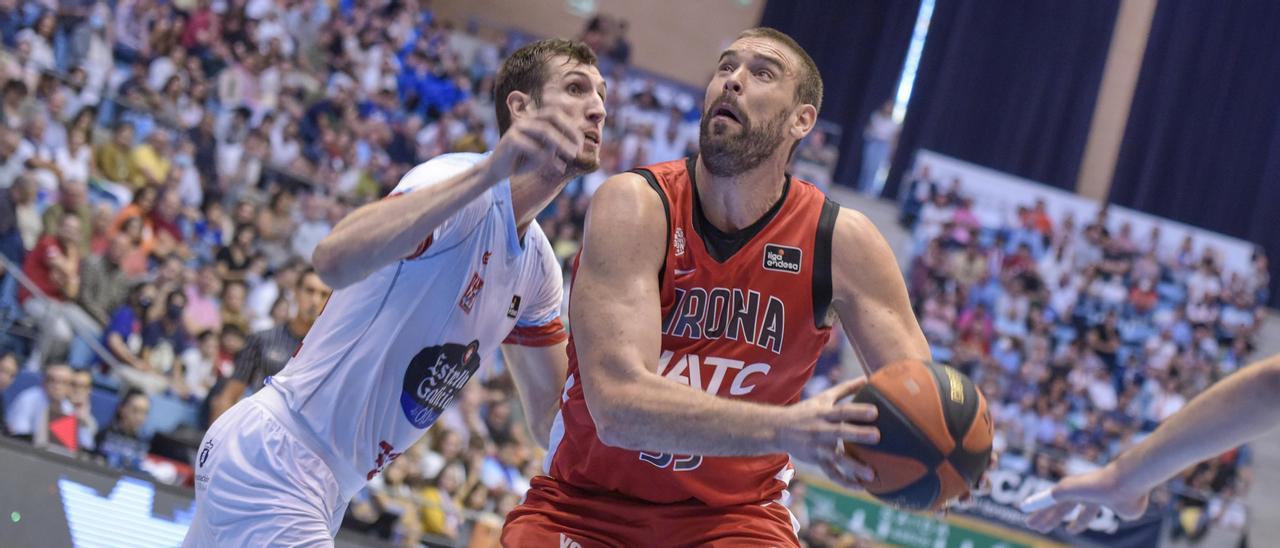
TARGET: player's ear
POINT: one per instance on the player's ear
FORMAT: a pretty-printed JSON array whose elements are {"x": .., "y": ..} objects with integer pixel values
[
  {"x": 803, "y": 119},
  {"x": 519, "y": 104}
]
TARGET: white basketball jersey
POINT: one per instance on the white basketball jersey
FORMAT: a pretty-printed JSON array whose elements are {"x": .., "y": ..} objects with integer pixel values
[{"x": 389, "y": 353}]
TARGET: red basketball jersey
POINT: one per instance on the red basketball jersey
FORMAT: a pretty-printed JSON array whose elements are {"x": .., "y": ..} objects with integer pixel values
[{"x": 744, "y": 316}]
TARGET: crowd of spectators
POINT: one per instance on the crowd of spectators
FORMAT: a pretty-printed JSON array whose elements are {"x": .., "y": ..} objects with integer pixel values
[
  {"x": 1084, "y": 335},
  {"x": 167, "y": 169}
]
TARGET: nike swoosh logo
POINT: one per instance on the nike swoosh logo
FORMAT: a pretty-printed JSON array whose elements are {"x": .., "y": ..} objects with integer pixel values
[{"x": 683, "y": 272}]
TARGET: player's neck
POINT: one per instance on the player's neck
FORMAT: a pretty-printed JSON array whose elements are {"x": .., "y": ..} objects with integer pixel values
[
  {"x": 530, "y": 194},
  {"x": 734, "y": 203}
]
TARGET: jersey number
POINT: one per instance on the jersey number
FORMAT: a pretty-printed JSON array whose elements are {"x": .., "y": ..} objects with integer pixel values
[{"x": 678, "y": 463}]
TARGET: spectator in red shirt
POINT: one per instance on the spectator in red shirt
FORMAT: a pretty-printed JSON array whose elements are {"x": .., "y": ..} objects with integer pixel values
[
  {"x": 166, "y": 220},
  {"x": 201, "y": 29},
  {"x": 54, "y": 269},
  {"x": 1020, "y": 262},
  {"x": 1040, "y": 220}
]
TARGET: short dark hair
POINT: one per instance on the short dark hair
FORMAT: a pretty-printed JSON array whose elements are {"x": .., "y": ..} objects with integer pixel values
[
  {"x": 15, "y": 85},
  {"x": 231, "y": 329},
  {"x": 809, "y": 90},
  {"x": 308, "y": 271},
  {"x": 124, "y": 400},
  {"x": 526, "y": 71}
]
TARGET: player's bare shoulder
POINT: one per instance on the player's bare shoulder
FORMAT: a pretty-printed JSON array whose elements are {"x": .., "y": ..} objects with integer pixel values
[
  {"x": 854, "y": 227},
  {"x": 860, "y": 255},
  {"x": 628, "y": 191},
  {"x": 627, "y": 217}
]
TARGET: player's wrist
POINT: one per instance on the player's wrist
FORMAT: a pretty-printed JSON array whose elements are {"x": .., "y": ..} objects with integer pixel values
[
  {"x": 490, "y": 171},
  {"x": 782, "y": 435},
  {"x": 1121, "y": 481}
]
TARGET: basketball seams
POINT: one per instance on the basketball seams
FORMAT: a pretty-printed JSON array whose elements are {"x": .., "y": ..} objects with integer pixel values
[
  {"x": 930, "y": 484},
  {"x": 898, "y": 471},
  {"x": 950, "y": 480},
  {"x": 923, "y": 410},
  {"x": 888, "y": 411},
  {"x": 958, "y": 416},
  {"x": 972, "y": 462}
]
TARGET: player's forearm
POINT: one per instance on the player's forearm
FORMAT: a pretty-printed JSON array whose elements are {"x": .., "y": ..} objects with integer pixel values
[
  {"x": 540, "y": 411},
  {"x": 1230, "y": 413},
  {"x": 649, "y": 413},
  {"x": 386, "y": 231},
  {"x": 539, "y": 374}
]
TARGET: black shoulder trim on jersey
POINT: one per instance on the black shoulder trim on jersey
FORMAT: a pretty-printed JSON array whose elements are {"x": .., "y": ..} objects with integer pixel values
[
  {"x": 723, "y": 245},
  {"x": 822, "y": 263},
  {"x": 666, "y": 208}
]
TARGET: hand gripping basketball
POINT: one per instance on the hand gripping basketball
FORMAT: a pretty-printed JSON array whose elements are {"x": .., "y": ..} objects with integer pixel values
[{"x": 817, "y": 427}]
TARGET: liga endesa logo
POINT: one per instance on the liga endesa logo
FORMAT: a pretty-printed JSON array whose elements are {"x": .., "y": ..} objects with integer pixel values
[{"x": 781, "y": 258}]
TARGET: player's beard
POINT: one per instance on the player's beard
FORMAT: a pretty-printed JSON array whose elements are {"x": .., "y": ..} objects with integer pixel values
[
  {"x": 585, "y": 162},
  {"x": 582, "y": 164},
  {"x": 728, "y": 153}
]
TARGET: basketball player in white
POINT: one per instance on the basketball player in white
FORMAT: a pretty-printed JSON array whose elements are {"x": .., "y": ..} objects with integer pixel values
[
  {"x": 1234, "y": 411},
  {"x": 426, "y": 287}
]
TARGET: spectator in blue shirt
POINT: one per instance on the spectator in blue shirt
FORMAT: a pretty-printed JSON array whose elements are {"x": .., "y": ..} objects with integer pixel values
[
  {"x": 164, "y": 338},
  {"x": 123, "y": 336},
  {"x": 122, "y": 443}
]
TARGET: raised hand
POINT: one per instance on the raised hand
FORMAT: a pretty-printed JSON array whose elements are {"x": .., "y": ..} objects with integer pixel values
[{"x": 546, "y": 142}]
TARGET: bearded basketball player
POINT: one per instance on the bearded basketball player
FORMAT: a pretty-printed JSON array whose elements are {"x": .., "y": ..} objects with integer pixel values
[{"x": 703, "y": 295}]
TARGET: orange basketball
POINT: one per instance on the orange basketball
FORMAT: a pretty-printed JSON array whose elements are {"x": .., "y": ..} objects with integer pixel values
[{"x": 935, "y": 434}]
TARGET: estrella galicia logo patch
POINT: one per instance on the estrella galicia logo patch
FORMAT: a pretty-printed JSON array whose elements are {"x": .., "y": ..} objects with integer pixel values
[
  {"x": 434, "y": 377},
  {"x": 782, "y": 258},
  {"x": 204, "y": 453}
]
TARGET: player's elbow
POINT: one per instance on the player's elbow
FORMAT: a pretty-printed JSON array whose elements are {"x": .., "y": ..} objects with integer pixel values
[
  {"x": 329, "y": 264},
  {"x": 1269, "y": 372},
  {"x": 604, "y": 415},
  {"x": 611, "y": 432},
  {"x": 608, "y": 413}
]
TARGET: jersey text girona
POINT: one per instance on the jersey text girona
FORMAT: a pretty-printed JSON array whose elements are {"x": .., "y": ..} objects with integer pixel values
[{"x": 745, "y": 316}]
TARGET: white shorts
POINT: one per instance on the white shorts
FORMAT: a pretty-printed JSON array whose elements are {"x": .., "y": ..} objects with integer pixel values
[{"x": 259, "y": 484}]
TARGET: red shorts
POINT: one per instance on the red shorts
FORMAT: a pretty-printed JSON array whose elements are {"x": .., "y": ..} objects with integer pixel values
[{"x": 558, "y": 515}]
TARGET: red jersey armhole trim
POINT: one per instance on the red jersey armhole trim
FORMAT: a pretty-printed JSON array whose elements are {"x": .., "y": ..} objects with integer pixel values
[{"x": 422, "y": 248}]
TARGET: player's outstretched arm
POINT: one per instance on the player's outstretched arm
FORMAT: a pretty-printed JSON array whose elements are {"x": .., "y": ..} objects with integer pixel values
[
  {"x": 870, "y": 296},
  {"x": 386, "y": 231},
  {"x": 539, "y": 373},
  {"x": 616, "y": 324},
  {"x": 1234, "y": 411}
]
